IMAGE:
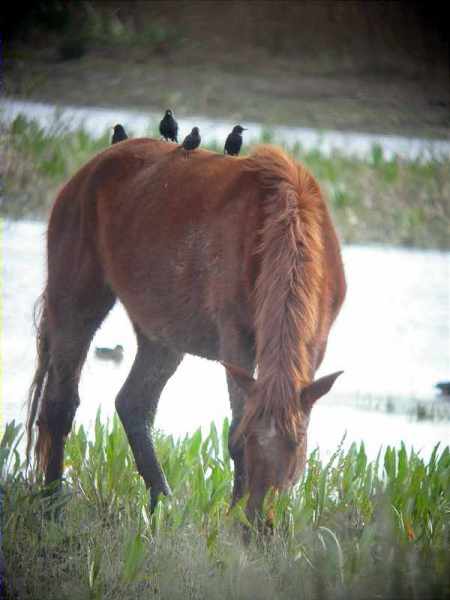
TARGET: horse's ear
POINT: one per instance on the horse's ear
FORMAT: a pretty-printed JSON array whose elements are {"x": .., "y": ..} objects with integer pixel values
[
  {"x": 317, "y": 389},
  {"x": 243, "y": 379}
]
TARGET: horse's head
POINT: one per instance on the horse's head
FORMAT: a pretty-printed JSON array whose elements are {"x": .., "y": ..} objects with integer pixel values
[{"x": 274, "y": 457}]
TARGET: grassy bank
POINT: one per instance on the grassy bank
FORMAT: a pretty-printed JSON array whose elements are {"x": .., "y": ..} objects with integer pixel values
[
  {"x": 351, "y": 529},
  {"x": 373, "y": 200}
]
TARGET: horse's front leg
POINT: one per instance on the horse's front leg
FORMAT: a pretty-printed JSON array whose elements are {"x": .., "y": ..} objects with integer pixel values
[
  {"x": 237, "y": 348},
  {"x": 136, "y": 405}
]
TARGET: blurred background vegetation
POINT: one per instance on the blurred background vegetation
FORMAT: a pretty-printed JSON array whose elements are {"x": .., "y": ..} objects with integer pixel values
[
  {"x": 372, "y": 66},
  {"x": 375, "y": 199}
]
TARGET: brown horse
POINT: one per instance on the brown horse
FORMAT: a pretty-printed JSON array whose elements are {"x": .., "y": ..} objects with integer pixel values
[{"x": 232, "y": 259}]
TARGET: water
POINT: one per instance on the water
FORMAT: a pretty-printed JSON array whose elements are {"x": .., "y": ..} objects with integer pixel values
[
  {"x": 96, "y": 120},
  {"x": 391, "y": 338}
]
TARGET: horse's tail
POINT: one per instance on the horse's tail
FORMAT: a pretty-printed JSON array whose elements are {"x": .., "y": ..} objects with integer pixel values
[{"x": 37, "y": 393}]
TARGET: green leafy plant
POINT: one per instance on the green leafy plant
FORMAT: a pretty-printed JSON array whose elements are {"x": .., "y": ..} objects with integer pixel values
[{"x": 331, "y": 533}]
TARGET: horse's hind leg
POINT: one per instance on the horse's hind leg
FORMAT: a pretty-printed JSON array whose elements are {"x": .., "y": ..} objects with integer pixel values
[
  {"x": 137, "y": 403},
  {"x": 71, "y": 326}
]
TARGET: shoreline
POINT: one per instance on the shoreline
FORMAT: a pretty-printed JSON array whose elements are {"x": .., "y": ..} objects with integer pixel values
[{"x": 97, "y": 119}]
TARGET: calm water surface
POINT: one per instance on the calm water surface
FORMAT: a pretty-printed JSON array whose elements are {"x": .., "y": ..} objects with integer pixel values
[
  {"x": 392, "y": 340},
  {"x": 96, "y": 120}
]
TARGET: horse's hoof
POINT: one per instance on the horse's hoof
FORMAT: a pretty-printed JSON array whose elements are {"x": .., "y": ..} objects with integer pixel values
[{"x": 155, "y": 495}]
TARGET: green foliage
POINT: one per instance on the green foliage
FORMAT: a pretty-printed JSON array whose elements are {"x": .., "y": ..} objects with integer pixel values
[
  {"x": 351, "y": 528},
  {"x": 56, "y": 151},
  {"x": 102, "y": 470},
  {"x": 10, "y": 462},
  {"x": 134, "y": 557},
  {"x": 267, "y": 136},
  {"x": 372, "y": 200}
]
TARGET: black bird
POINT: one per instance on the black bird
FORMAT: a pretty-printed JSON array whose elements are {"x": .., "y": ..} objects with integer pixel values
[
  {"x": 168, "y": 127},
  {"x": 119, "y": 134},
  {"x": 443, "y": 387},
  {"x": 192, "y": 141},
  {"x": 234, "y": 141}
]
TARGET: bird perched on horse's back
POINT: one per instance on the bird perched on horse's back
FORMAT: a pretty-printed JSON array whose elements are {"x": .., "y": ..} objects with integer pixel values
[
  {"x": 168, "y": 127},
  {"x": 192, "y": 140},
  {"x": 234, "y": 141},
  {"x": 119, "y": 134}
]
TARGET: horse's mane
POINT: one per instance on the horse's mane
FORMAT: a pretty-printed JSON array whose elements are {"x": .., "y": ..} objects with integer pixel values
[{"x": 287, "y": 291}]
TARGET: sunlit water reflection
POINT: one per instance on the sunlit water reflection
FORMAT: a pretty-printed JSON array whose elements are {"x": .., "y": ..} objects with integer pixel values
[{"x": 391, "y": 338}]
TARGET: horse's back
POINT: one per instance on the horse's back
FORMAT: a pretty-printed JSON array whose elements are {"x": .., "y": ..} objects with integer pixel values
[
  {"x": 177, "y": 238},
  {"x": 178, "y": 249}
]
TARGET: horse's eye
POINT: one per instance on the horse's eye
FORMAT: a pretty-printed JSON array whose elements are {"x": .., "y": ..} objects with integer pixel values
[{"x": 292, "y": 444}]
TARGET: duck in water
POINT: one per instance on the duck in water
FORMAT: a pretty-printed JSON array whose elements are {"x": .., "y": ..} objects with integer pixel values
[{"x": 114, "y": 354}]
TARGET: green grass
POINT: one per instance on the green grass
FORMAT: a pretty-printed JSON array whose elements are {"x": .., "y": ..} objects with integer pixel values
[
  {"x": 374, "y": 200},
  {"x": 352, "y": 528}
]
